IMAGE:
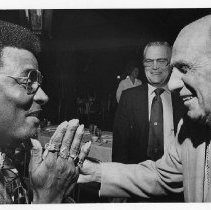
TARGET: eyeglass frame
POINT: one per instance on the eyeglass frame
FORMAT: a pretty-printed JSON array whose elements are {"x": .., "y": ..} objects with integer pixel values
[
  {"x": 26, "y": 84},
  {"x": 157, "y": 62}
]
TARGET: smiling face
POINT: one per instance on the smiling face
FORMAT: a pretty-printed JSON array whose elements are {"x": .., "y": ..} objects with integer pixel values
[
  {"x": 156, "y": 74},
  {"x": 18, "y": 110},
  {"x": 191, "y": 62}
]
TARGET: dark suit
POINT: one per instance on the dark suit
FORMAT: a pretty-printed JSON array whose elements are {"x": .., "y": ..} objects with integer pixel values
[
  {"x": 131, "y": 124},
  {"x": 131, "y": 130}
]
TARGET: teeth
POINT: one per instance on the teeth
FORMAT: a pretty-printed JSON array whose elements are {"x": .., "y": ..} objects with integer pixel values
[{"x": 187, "y": 98}]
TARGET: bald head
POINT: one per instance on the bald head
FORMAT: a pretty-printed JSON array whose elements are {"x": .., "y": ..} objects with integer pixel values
[
  {"x": 195, "y": 37},
  {"x": 191, "y": 62}
]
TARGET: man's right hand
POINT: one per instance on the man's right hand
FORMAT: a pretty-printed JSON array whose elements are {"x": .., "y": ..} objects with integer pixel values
[{"x": 90, "y": 172}]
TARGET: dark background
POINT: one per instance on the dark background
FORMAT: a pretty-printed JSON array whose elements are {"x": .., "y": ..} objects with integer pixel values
[{"x": 85, "y": 50}]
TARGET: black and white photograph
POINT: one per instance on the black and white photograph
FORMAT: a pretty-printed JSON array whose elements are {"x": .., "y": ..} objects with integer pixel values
[{"x": 105, "y": 105}]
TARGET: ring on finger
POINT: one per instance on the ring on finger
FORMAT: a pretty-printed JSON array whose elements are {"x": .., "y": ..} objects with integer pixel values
[
  {"x": 64, "y": 153},
  {"x": 80, "y": 163},
  {"x": 51, "y": 147}
]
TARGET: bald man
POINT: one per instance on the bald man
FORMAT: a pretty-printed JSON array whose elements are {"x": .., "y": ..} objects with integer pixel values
[{"x": 186, "y": 165}]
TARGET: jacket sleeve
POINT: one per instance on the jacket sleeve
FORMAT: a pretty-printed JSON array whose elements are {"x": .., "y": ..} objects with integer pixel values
[
  {"x": 119, "y": 91},
  {"x": 147, "y": 179},
  {"x": 121, "y": 131}
]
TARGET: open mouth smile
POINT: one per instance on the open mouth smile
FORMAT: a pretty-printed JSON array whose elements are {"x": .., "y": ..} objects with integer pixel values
[{"x": 187, "y": 98}]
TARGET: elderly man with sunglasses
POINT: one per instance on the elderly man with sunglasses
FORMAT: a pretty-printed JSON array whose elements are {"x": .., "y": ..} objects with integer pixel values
[{"x": 54, "y": 171}]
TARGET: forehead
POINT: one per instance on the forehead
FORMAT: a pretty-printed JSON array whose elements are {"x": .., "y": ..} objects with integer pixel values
[
  {"x": 190, "y": 46},
  {"x": 155, "y": 52},
  {"x": 16, "y": 61}
]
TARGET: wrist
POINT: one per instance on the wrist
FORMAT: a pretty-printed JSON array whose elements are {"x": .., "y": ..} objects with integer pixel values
[{"x": 98, "y": 172}]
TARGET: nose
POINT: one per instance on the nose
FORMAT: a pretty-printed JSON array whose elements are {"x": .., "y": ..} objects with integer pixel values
[
  {"x": 175, "y": 81},
  {"x": 40, "y": 97},
  {"x": 154, "y": 64}
]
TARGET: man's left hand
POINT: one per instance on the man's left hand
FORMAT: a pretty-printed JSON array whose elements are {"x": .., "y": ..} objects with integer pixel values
[{"x": 53, "y": 173}]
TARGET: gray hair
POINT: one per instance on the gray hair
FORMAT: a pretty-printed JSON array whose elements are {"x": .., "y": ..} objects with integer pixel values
[{"x": 157, "y": 43}]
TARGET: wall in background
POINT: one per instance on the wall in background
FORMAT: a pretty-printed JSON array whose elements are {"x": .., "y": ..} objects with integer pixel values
[{"x": 85, "y": 50}]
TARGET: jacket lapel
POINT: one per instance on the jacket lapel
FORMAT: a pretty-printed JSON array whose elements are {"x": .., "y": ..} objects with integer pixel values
[{"x": 140, "y": 115}]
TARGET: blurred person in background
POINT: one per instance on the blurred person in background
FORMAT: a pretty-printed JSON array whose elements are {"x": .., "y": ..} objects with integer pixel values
[{"x": 131, "y": 80}]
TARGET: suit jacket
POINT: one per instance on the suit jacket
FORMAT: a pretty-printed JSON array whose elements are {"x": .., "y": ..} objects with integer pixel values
[
  {"x": 131, "y": 125},
  {"x": 182, "y": 168}
]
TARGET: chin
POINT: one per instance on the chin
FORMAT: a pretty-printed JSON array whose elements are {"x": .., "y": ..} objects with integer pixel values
[
  {"x": 27, "y": 133},
  {"x": 33, "y": 133},
  {"x": 197, "y": 115},
  {"x": 155, "y": 81}
]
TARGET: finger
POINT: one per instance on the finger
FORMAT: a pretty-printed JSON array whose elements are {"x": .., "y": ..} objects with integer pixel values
[
  {"x": 84, "y": 153},
  {"x": 74, "y": 149},
  {"x": 90, "y": 172},
  {"x": 59, "y": 133},
  {"x": 55, "y": 139},
  {"x": 68, "y": 137},
  {"x": 86, "y": 172},
  {"x": 36, "y": 154}
]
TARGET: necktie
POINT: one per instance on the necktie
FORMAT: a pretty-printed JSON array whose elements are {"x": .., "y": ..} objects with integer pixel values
[{"x": 155, "y": 144}]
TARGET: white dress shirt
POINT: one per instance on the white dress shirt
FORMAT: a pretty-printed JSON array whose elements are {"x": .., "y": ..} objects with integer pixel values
[
  {"x": 125, "y": 84},
  {"x": 168, "y": 124}
]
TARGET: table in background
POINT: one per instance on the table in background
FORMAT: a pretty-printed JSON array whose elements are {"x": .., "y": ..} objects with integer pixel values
[
  {"x": 99, "y": 150},
  {"x": 86, "y": 193}
]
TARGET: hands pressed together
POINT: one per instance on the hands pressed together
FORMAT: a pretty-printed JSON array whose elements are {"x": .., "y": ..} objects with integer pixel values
[{"x": 54, "y": 172}]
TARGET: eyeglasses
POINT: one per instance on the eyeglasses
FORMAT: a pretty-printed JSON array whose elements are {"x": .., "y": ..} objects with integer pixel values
[
  {"x": 34, "y": 77},
  {"x": 159, "y": 62}
]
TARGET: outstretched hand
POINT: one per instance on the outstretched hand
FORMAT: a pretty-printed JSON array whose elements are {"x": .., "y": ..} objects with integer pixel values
[
  {"x": 53, "y": 172},
  {"x": 90, "y": 172}
]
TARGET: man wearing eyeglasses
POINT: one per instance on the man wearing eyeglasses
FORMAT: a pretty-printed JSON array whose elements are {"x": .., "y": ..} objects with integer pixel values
[
  {"x": 186, "y": 164},
  {"x": 52, "y": 173},
  {"x": 145, "y": 121}
]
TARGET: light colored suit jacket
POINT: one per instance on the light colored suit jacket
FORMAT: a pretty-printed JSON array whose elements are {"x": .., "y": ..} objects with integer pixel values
[{"x": 182, "y": 168}]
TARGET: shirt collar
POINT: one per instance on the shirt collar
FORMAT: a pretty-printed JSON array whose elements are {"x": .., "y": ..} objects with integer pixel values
[{"x": 152, "y": 88}]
